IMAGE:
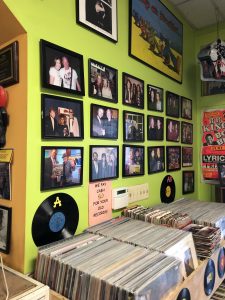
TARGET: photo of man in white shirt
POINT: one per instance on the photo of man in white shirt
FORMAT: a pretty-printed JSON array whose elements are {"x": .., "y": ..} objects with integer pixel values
[{"x": 69, "y": 76}]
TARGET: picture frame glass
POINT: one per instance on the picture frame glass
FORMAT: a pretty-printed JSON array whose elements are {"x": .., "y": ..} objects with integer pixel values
[
  {"x": 156, "y": 159},
  {"x": 172, "y": 105},
  {"x": 133, "y": 160},
  {"x": 133, "y": 126},
  {"x": 172, "y": 130},
  {"x": 155, "y": 128},
  {"x": 155, "y": 98},
  {"x": 186, "y": 108},
  {"x": 188, "y": 182},
  {"x": 187, "y": 156},
  {"x": 173, "y": 158},
  {"x": 186, "y": 133},
  {"x": 133, "y": 91},
  {"x": 5, "y": 181},
  {"x": 5, "y": 228}
]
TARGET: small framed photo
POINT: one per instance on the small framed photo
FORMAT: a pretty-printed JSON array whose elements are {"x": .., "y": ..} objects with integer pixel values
[
  {"x": 221, "y": 173},
  {"x": 5, "y": 181},
  {"x": 186, "y": 108},
  {"x": 61, "y": 69},
  {"x": 104, "y": 122},
  {"x": 173, "y": 158},
  {"x": 187, "y": 156},
  {"x": 62, "y": 118},
  {"x": 99, "y": 16},
  {"x": 133, "y": 160},
  {"x": 172, "y": 105},
  {"x": 155, "y": 98},
  {"x": 104, "y": 162},
  {"x": 188, "y": 182},
  {"x": 9, "y": 64},
  {"x": 156, "y": 159},
  {"x": 5, "y": 228},
  {"x": 103, "y": 82},
  {"x": 133, "y": 126},
  {"x": 155, "y": 128},
  {"x": 133, "y": 91},
  {"x": 172, "y": 130},
  {"x": 61, "y": 167},
  {"x": 186, "y": 133}
]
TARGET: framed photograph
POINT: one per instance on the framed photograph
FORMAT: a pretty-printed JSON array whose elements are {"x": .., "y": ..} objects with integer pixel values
[
  {"x": 99, "y": 16},
  {"x": 173, "y": 158},
  {"x": 104, "y": 122},
  {"x": 186, "y": 108},
  {"x": 5, "y": 228},
  {"x": 209, "y": 88},
  {"x": 61, "y": 167},
  {"x": 172, "y": 130},
  {"x": 103, "y": 82},
  {"x": 188, "y": 182},
  {"x": 155, "y": 128},
  {"x": 61, "y": 69},
  {"x": 155, "y": 98},
  {"x": 221, "y": 173},
  {"x": 156, "y": 37},
  {"x": 187, "y": 156},
  {"x": 133, "y": 160},
  {"x": 172, "y": 105},
  {"x": 156, "y": 159},
  {"x": 62, "y": 118},
  {"x": 9, "y": 64},
  {"x": 133, "y": 127},
  {"x": 104, "y": 162},
  {"x": 5, "y": 181},
  {"x": 133, "y": 91},
  {"x": 186, "y": 133}
]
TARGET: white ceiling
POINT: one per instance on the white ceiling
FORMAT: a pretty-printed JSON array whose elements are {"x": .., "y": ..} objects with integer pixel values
[{"x": 201, "y": 13}]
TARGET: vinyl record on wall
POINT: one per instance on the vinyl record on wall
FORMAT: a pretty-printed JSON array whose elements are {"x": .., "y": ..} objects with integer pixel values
[
  {"x": 168, "y": 189},
  {"x": 209, "y": 277},
  {"x": 221, "y": 263},
  {"x": 184, "y": 295}
]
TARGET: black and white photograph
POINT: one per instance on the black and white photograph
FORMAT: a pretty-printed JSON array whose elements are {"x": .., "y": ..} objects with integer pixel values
[
  {"x": 61, "y": 69},
  {"x": 221, "y": 173},
  {"x": 156, "y": 159},
  {"x": 5, "y": 181},
  {"x": 186, "y": 133},
  {"x": 155, "y": 98},
  {"x": 103, "y": 81},
  {"x": 187, "y": 156},
  {"x": 133, "y": 160},
  {"x": 5, "y": 228},
  {"x": 155, "y": 128},
  {"x": 62, "y": 118},
  {"x": 99, "y": 16},
  {"x": 133, "y": 126},
  {"x": 173, "y": 158},
  {"x": 188, "y": 182},
  {"x": 133, "y": 91},
  {"x": 172, "y": 105},
  {"x": 172, "y": 130},
  {"x": 104, "y": 162},
  {"x": 186, "y": 108},
  {"x": 104, "y": 122}
]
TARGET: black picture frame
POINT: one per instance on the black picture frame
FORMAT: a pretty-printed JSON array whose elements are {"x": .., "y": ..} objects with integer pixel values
[
  {"x": 155, "y": 128},
  {"x": 103, "y": 169},
  {"x": 187, "y": 156},
  {"x": 103, "y": 81},
  {"x": 173, "y": 158},
  {"x": 9, "y": 64},
  {"x": 172, "y": 105},
  {"x": 221, "y": 173},
  {"x": 61, "y": 167},
  {"x": 172, "y": 130},
  {"x": 5, "y": 228},
  {"x": 188, "y": 182},
  {"x": 104, "y": 122},
  {"x": 209, "y": 88},
  {"x": 104, "y": 23},
  {"x": 155, "y": 98},
  {"x": 129, "y": 97},
  {"x": 186, "y": 108},
  {"x": 61, "y": 118},
  {"x": 133, "y": 166},
  {"x": 186, "y": 133},
  {"x": 6, "y": 181},
  {"x": 54, "y": 79},
  {"x": 133, "y": 127},
  {"x": 156, "y": 159}
]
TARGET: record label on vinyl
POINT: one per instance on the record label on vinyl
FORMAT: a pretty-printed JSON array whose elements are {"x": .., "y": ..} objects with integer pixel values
[
  {"x": 209, "y": 277},
  {"x": 55, "y": 219},
  {"x": 221, "y": 263},
  {"x": 168, "y": 189},
  {"x": 184, "y": 295}
]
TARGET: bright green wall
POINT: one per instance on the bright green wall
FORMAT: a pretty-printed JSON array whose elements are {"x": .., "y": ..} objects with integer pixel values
[{"x": 54, "y": 20}]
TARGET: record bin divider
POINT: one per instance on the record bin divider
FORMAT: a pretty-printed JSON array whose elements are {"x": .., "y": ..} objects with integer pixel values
[{"x": 55, "y": 296}]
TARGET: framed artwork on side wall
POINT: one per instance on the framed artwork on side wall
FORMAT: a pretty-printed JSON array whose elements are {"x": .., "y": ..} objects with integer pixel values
[{"x": 5, "y": 228}]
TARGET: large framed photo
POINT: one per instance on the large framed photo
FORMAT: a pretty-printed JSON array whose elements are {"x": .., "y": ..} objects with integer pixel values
[
  {"x": 209, "y": 88},
  {"x": 173, "y": 158},
  {"x": 104, "y": 162},
  {"x": 187, "y": 156},
  {"x": 99, "y": 16},
  {"x": 188, "y": 182},
  {"x": 186, "y": 133},
  {"x": 9, "y": 64},
  {"x": 133, "y": 126},
  {"x": 133, "y": 91},
  {"x": 156, "y": 37},
  {"x": 104, "y": 122},
  {"x": 155, "y": 128},
  {"x": 5, "y": 228},
  {"x": 172, "y": 105},
  {"x": 156, "y": 159},
  {"x": 221, "y": 173},
  {"x": 103, "y": 81},
  {"x": 172, "y": 130},
  {"x": 5, "y": 181},
  {"x": 155, "y": 98},
  {"x": 62, "y": 118},
  {"x": 133, "y": 160},
  {"x": 186, "y": 108},
  {"x": 61, "y": 167},
  {"x": 61, "y": 69}
]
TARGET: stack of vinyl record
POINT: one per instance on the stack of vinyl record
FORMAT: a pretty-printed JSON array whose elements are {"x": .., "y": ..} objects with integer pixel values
[
  {"x": 90, "y": 267},
  {"x": 219, "y": 293},
  {"x": 157, "y": 216}
]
